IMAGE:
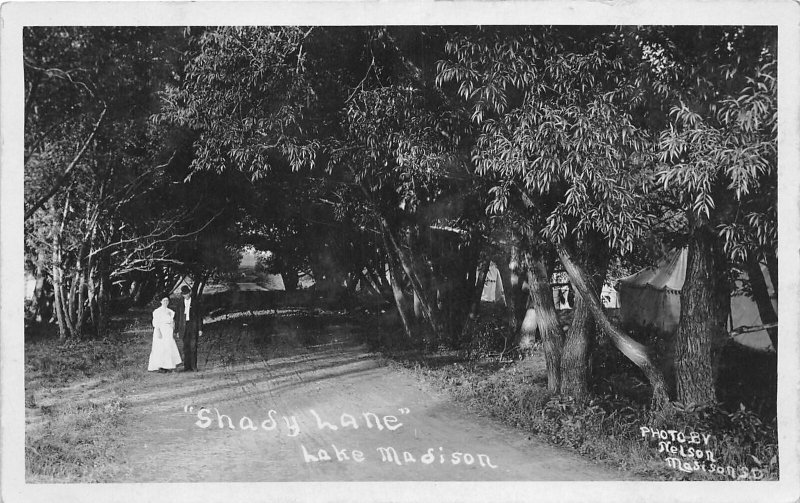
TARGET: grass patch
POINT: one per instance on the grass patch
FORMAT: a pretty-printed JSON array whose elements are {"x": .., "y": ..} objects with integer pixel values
[
  {"x": 77, "y": 443},
  {"x": 606, "y": 428},
  {"x": 70, "y": 439}
]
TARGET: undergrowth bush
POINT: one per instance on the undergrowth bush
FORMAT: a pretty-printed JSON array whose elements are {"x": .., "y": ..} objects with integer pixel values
[
  {"x": 738, "y": 439},
  {"x": 607, "y": 426},
  {"x": 487, "y": 337}
]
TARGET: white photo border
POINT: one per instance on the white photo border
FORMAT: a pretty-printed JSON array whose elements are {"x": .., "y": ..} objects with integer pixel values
[{"x": 15, "y": 15}]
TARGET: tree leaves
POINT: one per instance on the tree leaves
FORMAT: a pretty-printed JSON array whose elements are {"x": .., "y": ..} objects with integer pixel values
[
  {"x": 730, "y": 143},
  {"x": 567, "y": 134}
]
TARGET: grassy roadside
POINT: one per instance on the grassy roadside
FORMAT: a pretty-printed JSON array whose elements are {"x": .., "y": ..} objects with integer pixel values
[
  {"x": 606, "y": 429},
  {"x": 76, "y": 401}
]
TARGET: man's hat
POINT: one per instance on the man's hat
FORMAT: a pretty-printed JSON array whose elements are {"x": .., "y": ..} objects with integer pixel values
[{"x": 185, "y": 289}]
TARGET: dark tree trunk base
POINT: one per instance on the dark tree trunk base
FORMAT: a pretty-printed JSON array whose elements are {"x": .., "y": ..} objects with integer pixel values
[
  {"x": 634, "y": 351},
  {"x": 705, "y": 305}
]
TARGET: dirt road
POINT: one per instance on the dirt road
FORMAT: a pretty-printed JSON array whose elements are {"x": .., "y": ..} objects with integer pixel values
[{"x": 334, "y": 413}]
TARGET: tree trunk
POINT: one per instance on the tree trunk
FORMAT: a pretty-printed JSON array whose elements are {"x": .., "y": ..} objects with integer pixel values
[
  {"x": 541, "y": 297},
  {"x": 92, "y": 286},
  {"x": 480, "y": 281},
  {"x": 428, "y": 307},
  {"x": 703, "y": 320},
  {"x": 290, "y": 279},
  {"x": 472, "y": 265},
  {"x": 58, "y": 291},
  {"x": 379, "y": 273},
  {"x": 135, "y": 289},
  {"x": 68, "y": 302},
  {"x": 458, "y": 269},
  {"x": 761, "y": 297},
  {"x": 512, "y": 289},
  {"x": 772, "y": 267},
  {"x": 575, "y": 359},
  {"x": 634, "y": 351},
  {"x": 351, "y": 280},
  {"x": 476, "y": 292},
  {"x": 72, "y": 302},
  {"x": 144, "y": 292},
  {"x": 418, "y": 307},
  {"x": 516, "y": 269},
  {"x": 81, "y": 302},
  {"x": 199, "y": 285},
  {"x": 41, "y": 310},
  {"x": 367, "y": 282},
  {"x": 103, "y": 295},
  {"x": 395, "y": 273},
  {"x": 401, "y": 302}
]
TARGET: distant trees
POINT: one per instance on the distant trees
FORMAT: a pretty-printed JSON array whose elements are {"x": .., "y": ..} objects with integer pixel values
[
  {"x": 86, "y": 158},
  {"x": 100, "y": 201}
]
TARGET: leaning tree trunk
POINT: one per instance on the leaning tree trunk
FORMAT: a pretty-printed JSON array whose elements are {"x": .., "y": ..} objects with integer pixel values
[
  {"x": 541, "y": 297},
  {"x": 395, "y": 273},
  {"x": 772, "y": 267},
  {"x": 634, "y": 351},
  {"x": 761, "y": 297},
  {"x": 418, "y": 315},
  {"x": 702, "y": 323},
  {"x": 575, "y": 358},
  {"x": 401, "y": 302},
  {"x": 429, "y": 309}
]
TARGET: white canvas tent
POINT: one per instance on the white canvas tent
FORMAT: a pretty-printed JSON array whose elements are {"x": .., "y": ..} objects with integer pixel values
[
  {"x": 651, "y": 297},
  {"x": 493, "y": 286}
]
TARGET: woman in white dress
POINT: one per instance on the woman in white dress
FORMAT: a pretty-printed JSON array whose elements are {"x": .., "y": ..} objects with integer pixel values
[{"x": 164, "y": 356}]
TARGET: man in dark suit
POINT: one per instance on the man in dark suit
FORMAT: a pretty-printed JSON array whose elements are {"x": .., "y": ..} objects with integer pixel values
[{"x": 189, "y": 326}]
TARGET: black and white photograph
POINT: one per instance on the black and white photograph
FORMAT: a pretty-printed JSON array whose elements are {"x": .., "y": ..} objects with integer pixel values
[{"x": 421, "y": 251}]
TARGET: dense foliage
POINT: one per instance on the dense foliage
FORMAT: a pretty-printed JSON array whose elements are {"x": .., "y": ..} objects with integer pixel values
[{"x": 402, "y": 160}]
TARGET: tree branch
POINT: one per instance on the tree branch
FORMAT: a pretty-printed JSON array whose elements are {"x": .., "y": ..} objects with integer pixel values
[
  {"x": 156, "y": 235},
  {"x": 65, "y": 176}
]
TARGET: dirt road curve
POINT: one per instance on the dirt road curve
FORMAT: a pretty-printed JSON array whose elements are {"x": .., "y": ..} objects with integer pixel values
[{"x": 273, "y": 419}]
